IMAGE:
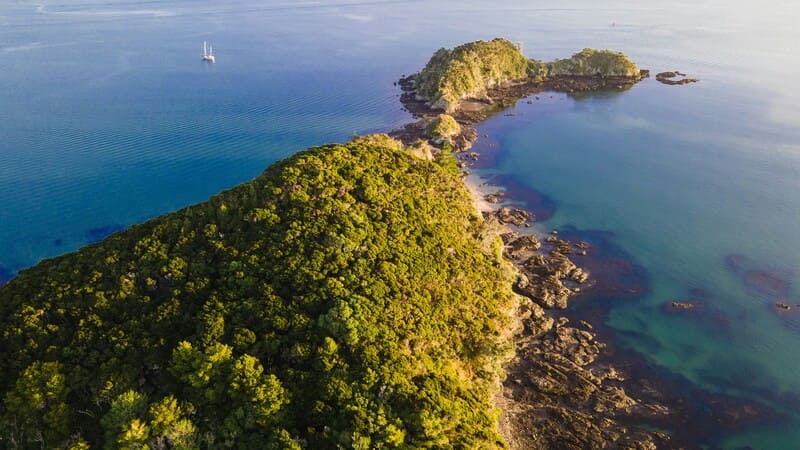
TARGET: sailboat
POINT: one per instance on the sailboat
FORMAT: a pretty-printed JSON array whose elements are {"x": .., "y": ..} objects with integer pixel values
[{"x": 208, "y": 53}]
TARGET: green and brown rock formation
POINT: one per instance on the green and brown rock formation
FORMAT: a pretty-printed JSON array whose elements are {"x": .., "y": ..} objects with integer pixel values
[
  {"x": 443, "y": 129},
  {"x": 481, "y": 70},
  {"x": 468, "y": 70}
]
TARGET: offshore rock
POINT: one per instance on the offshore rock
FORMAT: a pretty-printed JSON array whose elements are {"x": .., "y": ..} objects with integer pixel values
[
  {"x": 579, "y": 346},
  {"x": 669, "y": 78},
  {"x": 559, "y": 245},
  {"x": 677, "y": 306}
]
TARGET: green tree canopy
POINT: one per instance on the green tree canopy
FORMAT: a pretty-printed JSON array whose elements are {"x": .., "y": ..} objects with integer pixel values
[{"x": 347, "y": 297}]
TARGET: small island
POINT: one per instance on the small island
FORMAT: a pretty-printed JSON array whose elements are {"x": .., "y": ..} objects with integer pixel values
[
  {"x": 488, "y": 72},
  {"x": 476, "y": 80}
]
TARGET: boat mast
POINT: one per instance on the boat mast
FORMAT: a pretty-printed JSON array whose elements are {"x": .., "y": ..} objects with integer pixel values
[
  {"x": 210, "y": 50},
  {"x": 204, "y": 48}
]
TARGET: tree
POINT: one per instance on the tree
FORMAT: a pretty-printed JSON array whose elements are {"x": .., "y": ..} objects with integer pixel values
[
  {"x": 170, "y": 428},
  {"x": 122, "y": 423},
  {"x": 35, "y": 409}
]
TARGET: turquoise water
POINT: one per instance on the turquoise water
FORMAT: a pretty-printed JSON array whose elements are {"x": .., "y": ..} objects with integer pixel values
[{"x": 108, "y": 118}]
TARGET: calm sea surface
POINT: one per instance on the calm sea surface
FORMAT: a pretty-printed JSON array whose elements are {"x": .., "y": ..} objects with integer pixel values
[{"x": 108, "y": 117}]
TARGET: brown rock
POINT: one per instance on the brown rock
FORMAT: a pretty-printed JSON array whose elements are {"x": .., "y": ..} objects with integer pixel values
[
  {"x": 669, "y": 78},
  {"x": 547, "y": 292},
  {"x": 509, "y": 236},
  {"x": 523, "y": 247},
  {"x": 514, "y": 216}
]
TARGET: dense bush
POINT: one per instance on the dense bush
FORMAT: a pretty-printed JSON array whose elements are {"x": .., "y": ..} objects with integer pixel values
[
  {"x": 347, "y": 297},
  {"x": 591, "y": 62},
  {"x": 443, "y": 128},
  {"x": 468, "y": 70}
]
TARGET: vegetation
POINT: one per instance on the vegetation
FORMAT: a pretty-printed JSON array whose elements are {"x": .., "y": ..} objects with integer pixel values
[
  {"x": 538, "y": 71},
  {"x": 591, "y": 62},
  {"x": 443, "y": 129},
  {"x": 468, "y": 70},
  {"x": 347, "y": 297}
]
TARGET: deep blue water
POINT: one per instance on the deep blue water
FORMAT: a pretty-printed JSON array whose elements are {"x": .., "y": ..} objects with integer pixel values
[{"x": 108, "y": 117}]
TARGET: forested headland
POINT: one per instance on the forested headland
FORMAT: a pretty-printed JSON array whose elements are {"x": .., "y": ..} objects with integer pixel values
[{"x": 350, "y": 296}]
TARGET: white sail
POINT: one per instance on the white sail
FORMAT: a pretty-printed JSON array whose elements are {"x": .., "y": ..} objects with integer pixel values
[{"x": 208, "y": 53}]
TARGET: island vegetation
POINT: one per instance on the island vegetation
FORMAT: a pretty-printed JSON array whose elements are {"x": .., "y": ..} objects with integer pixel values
[
  {"x": 468, "y": 70},
  {"x": 590, "y": 62},
  {"x": 348, "y": 297},
  {"x": 443, "y": 129},
  {"x": 472, "y": 70}
]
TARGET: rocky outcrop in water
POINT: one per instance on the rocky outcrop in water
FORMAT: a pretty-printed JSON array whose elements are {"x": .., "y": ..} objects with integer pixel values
[
  {"x": 684, "y": 306},
  {"x": 674, "y": 78},
  {"x": 483, "y": 75}
]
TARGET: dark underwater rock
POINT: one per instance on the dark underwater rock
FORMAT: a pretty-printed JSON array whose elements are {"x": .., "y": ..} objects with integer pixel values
[
  {"x": 773, "y": 284},
  {"x": 684, "y": 306}
]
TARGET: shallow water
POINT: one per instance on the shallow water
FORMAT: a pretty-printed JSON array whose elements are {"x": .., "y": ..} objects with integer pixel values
[{"x": 109, "y": 117}]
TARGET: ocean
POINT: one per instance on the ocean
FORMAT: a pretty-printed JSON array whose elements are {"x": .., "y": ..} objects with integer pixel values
[{"x": 108, "y": 117}]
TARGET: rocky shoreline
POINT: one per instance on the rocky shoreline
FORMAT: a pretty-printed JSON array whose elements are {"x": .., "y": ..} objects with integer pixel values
[
  {"x": 565, "y": 386},
  {"x": 497, "y": 99}
]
